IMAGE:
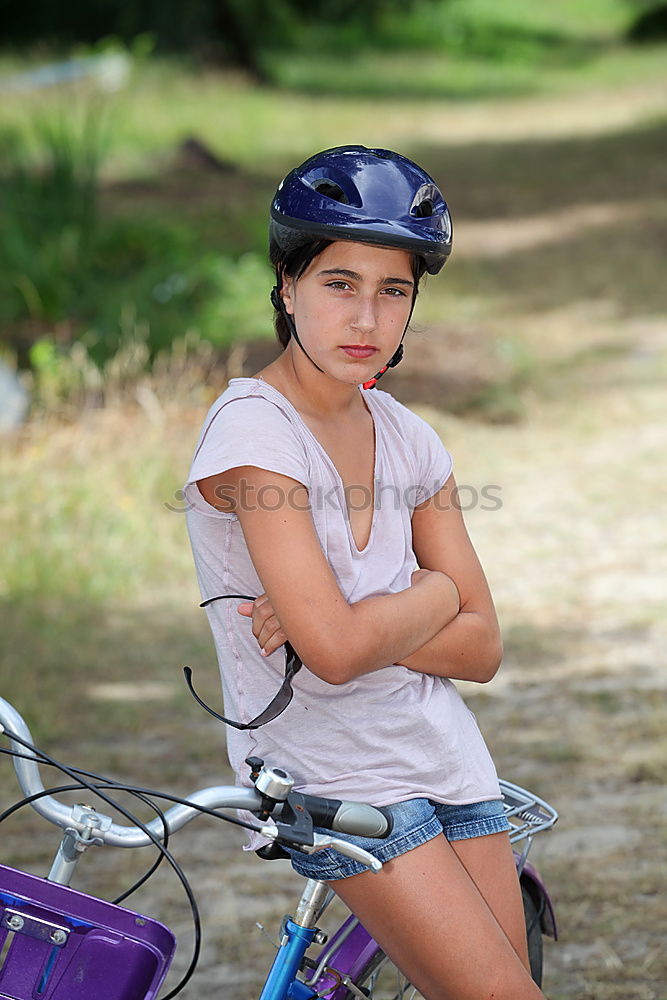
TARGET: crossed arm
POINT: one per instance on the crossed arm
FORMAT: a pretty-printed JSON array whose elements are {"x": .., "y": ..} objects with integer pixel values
[
  {"x": 469, "y": 646},
  {"x": 443, "y": 624}
]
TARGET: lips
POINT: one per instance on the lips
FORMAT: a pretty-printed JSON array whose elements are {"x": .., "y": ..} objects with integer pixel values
[{"x": 359, "y": 350}]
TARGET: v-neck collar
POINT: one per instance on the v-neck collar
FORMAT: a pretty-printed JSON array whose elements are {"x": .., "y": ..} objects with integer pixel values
[{"x": 325, "y": 453}]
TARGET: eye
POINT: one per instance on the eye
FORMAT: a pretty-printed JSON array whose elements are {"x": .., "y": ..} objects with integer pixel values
[
  {"x": 338, "y": 283},
  {"x": 394, "y": 291}
]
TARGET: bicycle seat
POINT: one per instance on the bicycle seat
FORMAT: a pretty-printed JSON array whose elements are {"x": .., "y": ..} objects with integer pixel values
[{"x": 65, "y": 945}]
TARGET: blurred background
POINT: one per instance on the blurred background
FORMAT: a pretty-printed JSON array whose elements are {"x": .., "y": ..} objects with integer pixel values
[{"x": 140, "y": 144}]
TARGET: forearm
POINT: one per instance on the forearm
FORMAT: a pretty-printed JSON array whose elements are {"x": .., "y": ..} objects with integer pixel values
[
  {"x": 468, "y": 648},
  {"x": 387, "y": 628}
]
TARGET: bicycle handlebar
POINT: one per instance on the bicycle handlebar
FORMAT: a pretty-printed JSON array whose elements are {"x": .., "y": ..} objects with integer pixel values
[{"x": 345, "y": 817}]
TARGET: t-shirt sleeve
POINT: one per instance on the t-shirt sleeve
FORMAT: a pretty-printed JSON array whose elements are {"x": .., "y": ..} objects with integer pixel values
[
  {"x": 249, "y": 430},
  {"x": 433, "y": 461}
]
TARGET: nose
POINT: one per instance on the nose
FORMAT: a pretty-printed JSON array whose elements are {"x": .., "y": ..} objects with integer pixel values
[{"x": 365, "y": 318}]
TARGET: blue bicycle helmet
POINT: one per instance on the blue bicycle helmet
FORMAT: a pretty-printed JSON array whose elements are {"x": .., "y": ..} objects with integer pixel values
[{"x": 365, "y": 195}]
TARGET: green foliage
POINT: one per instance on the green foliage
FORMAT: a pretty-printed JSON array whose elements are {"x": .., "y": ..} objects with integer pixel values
[
  {"x": 458, "y": 27},
  {"x": 235, "y": 297},
  {"x": 240, "y": 29},
  {"x": 68, "y": 272},
  {"x": 649, "y": 23},
  {"x": 247, "y": 33},
  {"x": 49, "y": 211},
  {"x": 512, "y": 31},
  {"x": 448, "y": 48}
]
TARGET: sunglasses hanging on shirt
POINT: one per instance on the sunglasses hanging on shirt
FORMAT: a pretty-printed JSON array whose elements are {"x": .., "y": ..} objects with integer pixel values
[{"x": 277, "y": 705}]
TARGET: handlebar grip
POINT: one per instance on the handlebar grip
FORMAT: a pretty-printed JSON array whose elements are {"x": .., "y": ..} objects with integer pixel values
[{"x": 355, "y": 818}]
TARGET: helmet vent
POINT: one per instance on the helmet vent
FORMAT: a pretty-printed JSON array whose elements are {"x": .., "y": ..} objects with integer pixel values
[
  {"x": 331, "y": 190},
  {"x": 424, "y": 209}
]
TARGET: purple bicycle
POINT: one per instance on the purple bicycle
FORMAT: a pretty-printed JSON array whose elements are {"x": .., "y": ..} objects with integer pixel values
[{"x": 60, "y": 944}]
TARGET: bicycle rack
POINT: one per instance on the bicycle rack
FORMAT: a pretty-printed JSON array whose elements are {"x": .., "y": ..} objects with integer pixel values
[{"x": 60, "y": 944}]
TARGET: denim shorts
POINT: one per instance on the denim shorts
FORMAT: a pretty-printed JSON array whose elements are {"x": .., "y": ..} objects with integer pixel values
[{"x": 415, "y": 822}]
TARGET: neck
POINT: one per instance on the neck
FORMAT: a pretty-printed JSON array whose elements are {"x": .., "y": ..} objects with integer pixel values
[{"x": 310, "y": 390}]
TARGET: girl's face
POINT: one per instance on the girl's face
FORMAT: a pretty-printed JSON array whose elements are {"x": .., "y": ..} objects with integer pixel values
[{"x": 351, "y": 306}]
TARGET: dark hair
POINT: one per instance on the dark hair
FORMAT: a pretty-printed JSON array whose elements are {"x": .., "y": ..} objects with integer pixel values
[{"x": 294, "y": 263}]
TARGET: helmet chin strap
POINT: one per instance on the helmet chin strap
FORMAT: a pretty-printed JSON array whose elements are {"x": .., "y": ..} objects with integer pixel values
[
  {"x": 393, "y": 361},
  {"x": 398, "y": 353},
  {"x": 277, "y": 303}
]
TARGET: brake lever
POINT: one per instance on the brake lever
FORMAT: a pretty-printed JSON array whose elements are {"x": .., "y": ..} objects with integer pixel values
[{"x": 323, "y": 840}]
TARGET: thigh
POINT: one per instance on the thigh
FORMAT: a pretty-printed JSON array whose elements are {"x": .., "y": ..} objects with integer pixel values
[
  {"x": 489, "y": 861},
  {"x": 426, "y": 912}
]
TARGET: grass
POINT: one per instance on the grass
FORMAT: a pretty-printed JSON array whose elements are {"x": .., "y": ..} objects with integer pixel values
[
  {"x": 89, "y": 502},
  {"x": 460, "y": 49}
]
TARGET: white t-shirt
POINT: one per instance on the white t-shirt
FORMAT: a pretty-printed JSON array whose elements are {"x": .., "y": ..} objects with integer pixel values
[{"x": 386, "y": 736}]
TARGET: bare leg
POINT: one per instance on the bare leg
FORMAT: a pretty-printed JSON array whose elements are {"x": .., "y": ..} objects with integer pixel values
[
  {"x": 426, "y": 912},
  {"x": 490, "y": 863}
]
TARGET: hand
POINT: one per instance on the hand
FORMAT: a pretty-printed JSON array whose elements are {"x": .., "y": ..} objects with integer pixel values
[{"x": 265, "y": 626}]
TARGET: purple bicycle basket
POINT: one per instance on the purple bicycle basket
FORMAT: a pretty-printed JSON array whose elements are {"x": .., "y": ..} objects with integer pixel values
[{"x": 60, "y": 944}]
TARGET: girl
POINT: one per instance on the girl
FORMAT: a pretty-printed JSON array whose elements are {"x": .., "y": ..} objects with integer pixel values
[{"x": 336, "y": 505}]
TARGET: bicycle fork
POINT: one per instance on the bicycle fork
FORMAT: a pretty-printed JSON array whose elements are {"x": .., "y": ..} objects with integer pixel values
[
  {"x": 340, "y": 962},
  {"x": 298, "y": 935}
]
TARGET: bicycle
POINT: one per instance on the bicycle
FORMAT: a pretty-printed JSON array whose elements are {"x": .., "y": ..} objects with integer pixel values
[{"x": 60, "y": 944}]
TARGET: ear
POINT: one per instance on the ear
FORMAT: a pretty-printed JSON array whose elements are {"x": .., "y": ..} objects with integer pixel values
[{"x": 287, "y": 293}]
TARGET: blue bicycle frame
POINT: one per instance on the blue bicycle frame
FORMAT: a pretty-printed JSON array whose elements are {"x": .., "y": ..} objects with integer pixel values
[{"x": 281, "y": 981}]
